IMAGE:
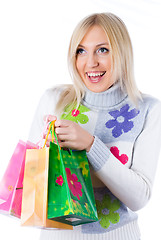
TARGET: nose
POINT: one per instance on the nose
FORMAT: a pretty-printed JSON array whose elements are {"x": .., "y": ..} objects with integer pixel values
[{"x": 92, "y": 60}]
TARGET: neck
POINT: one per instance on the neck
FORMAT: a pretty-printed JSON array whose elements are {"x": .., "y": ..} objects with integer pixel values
[{"x": 102, "y": 100}]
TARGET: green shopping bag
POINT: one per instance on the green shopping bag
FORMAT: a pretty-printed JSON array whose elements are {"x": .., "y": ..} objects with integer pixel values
[{"x": 70, "y": 193}]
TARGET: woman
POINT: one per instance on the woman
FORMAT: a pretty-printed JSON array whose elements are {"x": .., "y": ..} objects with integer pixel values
[{"x": 104, "y": 113}]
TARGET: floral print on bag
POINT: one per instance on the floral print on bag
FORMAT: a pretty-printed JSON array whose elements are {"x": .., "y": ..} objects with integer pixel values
[{"x": 74, "y": 186}]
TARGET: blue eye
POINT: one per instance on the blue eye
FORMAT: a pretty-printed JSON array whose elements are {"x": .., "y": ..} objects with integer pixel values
[
  {"x": 80, "y": 51},
  {"x": 103, "y": 50}
]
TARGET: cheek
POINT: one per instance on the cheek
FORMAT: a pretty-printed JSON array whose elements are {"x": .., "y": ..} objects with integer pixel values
[
  {"x": 79, "y": 66},
  {"x": 107, "y": 64}
]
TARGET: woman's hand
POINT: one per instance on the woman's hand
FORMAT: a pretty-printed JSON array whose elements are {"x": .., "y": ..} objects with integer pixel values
[{"x": 71, "y": 135}]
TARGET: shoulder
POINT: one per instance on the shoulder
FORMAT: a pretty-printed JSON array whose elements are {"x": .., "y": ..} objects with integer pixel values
[
  {"x": 149, "y": 99},
  {"x": 49, "y": 99},
  {"x": 150, "y": 107},
  {"x": 149, "y": 103},
  {"x": 52, "y": 95}
]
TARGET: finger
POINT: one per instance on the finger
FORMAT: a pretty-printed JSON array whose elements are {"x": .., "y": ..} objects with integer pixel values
[
  {"x": 61, "y": 130},
  {"x": 46, "y": 117},
  {"x": 63, "y": 123},
  {"x": 65, "y": 144},
  {"x": 63, "y": 138},
  {"x": 49, "y": 118},
  {"x": 49, "y": 136}
]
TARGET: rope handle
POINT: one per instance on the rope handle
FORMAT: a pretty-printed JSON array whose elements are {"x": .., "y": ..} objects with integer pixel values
[{"x": 51, "y": 129}]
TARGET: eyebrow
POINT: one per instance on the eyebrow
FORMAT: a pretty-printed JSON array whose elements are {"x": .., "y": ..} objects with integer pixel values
[{"x": 98, "y": 45}]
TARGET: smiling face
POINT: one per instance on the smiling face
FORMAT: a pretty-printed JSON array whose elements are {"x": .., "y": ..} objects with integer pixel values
[{"x": 93, "y": 60}]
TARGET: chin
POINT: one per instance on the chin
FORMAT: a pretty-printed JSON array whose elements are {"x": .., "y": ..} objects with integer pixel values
[{"x": 98, "y": 89}]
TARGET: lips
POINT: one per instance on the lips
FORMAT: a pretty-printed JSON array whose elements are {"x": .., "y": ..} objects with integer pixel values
[{"x": 95, "y": 77}]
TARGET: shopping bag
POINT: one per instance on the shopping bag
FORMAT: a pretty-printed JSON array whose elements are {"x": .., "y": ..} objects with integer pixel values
[
  {"x": 17, "y": 199},
  {"x": 11, "y": 184},
  {"x": 35, "y": 186},
  {"x": 70, "y": 193}
]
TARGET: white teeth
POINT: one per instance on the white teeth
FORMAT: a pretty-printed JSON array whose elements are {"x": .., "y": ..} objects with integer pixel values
[{"x": 94, "y": 74}]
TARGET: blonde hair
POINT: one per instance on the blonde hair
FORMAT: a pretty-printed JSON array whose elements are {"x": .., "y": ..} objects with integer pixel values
[{"x": 122, "y": 58}]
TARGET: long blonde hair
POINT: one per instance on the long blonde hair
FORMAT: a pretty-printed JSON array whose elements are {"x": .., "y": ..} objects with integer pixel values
[{"x": 122, "y": 58}]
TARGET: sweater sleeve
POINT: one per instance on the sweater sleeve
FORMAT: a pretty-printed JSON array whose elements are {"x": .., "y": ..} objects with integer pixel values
[
  {"x": 133, "y": 186},
  {"x": 45, "y": 107}
]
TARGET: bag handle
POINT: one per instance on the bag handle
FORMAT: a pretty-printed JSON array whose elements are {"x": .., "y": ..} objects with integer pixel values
[{"x": 52, "y": 129}]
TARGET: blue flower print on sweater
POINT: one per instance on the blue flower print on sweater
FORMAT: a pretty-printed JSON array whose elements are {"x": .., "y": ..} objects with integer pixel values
[{"x": 122, "y": 120}]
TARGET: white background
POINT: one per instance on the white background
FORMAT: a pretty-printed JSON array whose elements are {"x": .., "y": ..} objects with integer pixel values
[{"x": 34, "y": 39}]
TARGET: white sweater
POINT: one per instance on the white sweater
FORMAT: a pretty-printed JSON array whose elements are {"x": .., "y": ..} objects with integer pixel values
[{"x": 123, "y": 159}]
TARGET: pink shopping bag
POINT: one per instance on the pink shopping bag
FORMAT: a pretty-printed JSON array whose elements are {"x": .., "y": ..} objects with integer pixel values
[{"x": 11, "y": 185}]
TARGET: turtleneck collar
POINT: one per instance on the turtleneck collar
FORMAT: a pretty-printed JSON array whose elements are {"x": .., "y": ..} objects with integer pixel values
[{"x": 109, "y": 98}]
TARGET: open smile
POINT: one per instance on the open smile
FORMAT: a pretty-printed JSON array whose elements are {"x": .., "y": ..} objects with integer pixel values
[{"x": 95, "y": 77}]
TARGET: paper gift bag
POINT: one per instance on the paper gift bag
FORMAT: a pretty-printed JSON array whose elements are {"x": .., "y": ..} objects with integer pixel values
[
  {"x": 70, "y": 193},
  {"x": 11, "y": 184},
  {"x": 35, "y": 185},
  {"x": 17, "y": 199}
]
